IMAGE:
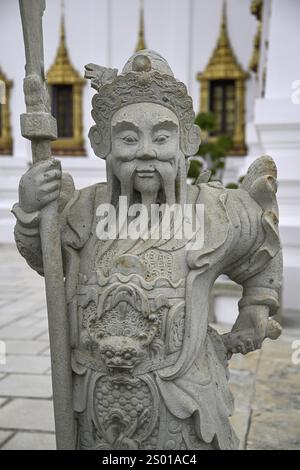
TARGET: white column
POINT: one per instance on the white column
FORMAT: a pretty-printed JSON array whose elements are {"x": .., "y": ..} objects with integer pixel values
[{"x": 277, "y": 126}]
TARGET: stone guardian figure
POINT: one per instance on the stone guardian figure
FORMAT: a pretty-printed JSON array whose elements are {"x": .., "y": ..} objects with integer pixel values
[{"x": 148, "y": 370}]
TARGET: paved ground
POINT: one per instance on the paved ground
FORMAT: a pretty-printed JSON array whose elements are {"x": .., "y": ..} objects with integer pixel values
[{"x": 266, "y": 383}]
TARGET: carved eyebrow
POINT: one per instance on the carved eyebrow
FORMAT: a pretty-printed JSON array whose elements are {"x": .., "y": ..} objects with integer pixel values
[
  {"x": 125, "y": 125},
  {"x": 166, "y": 125}
]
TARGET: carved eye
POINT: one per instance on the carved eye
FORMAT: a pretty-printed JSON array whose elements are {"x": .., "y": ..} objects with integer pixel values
[
  {"x": 161, "y": 139},
  {"x": 130, "y": 139}
]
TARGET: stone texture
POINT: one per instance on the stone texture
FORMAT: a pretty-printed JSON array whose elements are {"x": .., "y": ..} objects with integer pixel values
[
  {"x": 46, "y": 352},
  {"x": 43, "y": 337},
  {"x": 25, "y": 364},
  {"x": 240, "y": 424},
  {"x": 26, "y": 414},
  {"x": 14, "y": 332},
  {"x": 25, "y": 347},
  {"x": 31, "y": 441},
  {"x": 274, "y": 430},
  {"x": 35, "y": 386},
  {"x": 248, "y": 362},
  {"x": 4, "y": 436},
  {"x": 242, "y": 385}
]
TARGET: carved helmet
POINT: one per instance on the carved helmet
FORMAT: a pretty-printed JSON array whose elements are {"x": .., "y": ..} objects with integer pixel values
[{"x": 146, "y": 77}]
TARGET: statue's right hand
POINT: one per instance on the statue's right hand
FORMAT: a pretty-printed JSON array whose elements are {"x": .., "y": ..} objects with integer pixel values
[{"x": 40, "y": 185}]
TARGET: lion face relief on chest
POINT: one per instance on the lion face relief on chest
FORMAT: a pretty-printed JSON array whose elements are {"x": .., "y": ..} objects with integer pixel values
[
  {"x": 122, "y": 318},
  {"x": 126, "y": 324}
]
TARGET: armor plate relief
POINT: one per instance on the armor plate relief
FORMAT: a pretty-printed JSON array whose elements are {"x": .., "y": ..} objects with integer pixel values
[{"x": 129, "y": 327}]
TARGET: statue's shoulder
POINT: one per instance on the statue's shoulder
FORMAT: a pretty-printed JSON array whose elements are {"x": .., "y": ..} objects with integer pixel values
[
  {"x": 203, "y": 193},
  {"x": 85, "y": 199},
  {"x": 79, "y": 213},
  {"x": 257, "y": 192}
]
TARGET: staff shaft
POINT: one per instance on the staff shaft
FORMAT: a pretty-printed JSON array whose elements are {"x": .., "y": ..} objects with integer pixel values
[{"x": 39, "y": 126}]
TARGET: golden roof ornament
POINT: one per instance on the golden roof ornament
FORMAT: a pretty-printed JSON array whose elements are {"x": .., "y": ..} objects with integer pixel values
[
  {"x": 223, "y": 63},
  {"x": 6, "y": 142},
  {"x": 62, "y": 71},
  {"x": 256, "y": 10},
  {"x": 141, "y": 44}
]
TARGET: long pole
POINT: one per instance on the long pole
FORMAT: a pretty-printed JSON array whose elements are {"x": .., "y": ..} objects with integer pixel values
[{"x": 39, "y": 127}]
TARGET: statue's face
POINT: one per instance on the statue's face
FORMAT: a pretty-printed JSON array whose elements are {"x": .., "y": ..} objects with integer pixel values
[{"x": 145, "y": 146}]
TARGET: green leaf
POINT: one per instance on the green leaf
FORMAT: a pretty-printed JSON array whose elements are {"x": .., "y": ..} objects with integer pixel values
[
  {"x": 232, "y": 186},
  {"x": 194, "y": 169},
  {"x": 205, "y": 121}
]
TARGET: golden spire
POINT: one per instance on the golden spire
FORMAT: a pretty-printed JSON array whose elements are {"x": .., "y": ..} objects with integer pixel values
[
  {"x": 223, "y": 65},
  {"x": 256, "y": 9},
  {"x": 62, "y": 56},
  {"x": 223, "y": 37},
  {"x": 62, "y": 71},
  {"x": 141, "y": 44},
  {"x": 223, "y": 61}
]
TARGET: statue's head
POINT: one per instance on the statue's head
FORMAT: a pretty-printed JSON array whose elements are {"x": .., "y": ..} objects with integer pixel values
[{"x": 144, "y": 126}]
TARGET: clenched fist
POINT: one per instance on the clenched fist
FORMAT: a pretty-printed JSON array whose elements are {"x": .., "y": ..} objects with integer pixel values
[{"x": 40, "y": 185}]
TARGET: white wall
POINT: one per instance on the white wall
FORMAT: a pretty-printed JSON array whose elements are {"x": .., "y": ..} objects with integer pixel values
[{"x": 276, "y": 131}]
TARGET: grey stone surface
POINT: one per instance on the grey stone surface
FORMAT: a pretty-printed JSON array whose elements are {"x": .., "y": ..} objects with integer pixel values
[
  {"x": 17, "y": 332},
  {"x": 21, "y": 385},
  {"x": 25, "y": 364},
  {"x": 25, "y": 347},
  {"x": 27, "y": 414},
  {"x": 31, "y": 441},
  {"x": 4, "y": 436},
  {"x": 274, "y": 430},
  {"x": 148, "y": 371},
  {"x": 240, "y": 423}
]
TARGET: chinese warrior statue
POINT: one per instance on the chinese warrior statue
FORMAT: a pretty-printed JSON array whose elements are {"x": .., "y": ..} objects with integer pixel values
[{"x": 148, "y": 371}]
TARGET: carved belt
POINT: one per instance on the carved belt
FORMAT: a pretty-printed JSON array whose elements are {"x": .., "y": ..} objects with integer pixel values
[{"x": 83, "y": 359}]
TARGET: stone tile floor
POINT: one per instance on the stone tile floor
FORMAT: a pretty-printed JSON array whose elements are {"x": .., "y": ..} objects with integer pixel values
[{"x": 266, "y": 384}]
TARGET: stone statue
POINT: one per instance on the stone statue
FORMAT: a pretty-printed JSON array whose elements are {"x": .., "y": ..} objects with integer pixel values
[{"x": 148, "y": 370}]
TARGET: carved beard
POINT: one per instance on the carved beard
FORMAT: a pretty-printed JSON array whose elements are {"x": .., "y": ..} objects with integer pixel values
[{"x": 172, "y": 190}]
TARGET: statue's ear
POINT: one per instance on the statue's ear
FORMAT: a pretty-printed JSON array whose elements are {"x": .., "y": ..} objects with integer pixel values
[
  {"x": 99, "y": 142},
  {"x": 190, "y": 140}
]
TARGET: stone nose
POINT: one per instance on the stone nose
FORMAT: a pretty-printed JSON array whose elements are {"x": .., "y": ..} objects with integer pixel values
[{"x": 145, "y": 151}]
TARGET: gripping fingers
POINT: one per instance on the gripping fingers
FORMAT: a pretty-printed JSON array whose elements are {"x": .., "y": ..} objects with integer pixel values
[
  {"x": 49, "y": 198},
  {"x": 52, "y": 175},
  {"x": 48, "y": 188},
  {"x": 47, "y": 165}
]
